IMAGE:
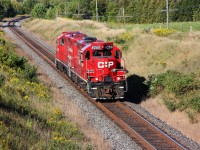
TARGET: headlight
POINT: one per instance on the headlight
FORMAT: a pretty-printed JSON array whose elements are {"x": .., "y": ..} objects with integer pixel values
[{"x": 114, "y": 70}]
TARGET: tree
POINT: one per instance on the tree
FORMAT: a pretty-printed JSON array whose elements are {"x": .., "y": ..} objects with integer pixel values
[
  {"x": 196, "y": 16},
  {"x": 39, "y": 11},
  {"x": 101, "y": 8},
  {"x": 138, "y": 10},
  {"x": 86, "y": 9},
  {"x": 1, "y": 12},
  {"x": 161, "y": 16},
  {"x": 28, "y": 5},
  {"x": 131, "y": 10},
  {"x": 16, "y": 5},
  {"x": 6, "y": 9},
  {"x": 145, "y": 12},
  {"x": 112, "y": 11},
  {"x": 50, "y": 14}
]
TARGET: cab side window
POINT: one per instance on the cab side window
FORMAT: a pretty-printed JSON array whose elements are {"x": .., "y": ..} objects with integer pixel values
[
  {"x": 62, "y": 41},
  {"x": 87, "y": 55}
]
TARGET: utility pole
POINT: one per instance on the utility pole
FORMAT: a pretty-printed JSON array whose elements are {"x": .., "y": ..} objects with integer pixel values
[
  {"x": 167, "y": 12},
  {"x": 121, "y": 17},
  {"x": 78, "y": 7},
  {"x": 97, "y": 11}
]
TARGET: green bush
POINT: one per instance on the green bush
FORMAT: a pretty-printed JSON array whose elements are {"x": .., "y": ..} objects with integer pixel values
[
  {"x": 195, "y": 103},
  {"x": 2, "y": 80},
  {"x": 180, "y": 91},
  {"x": 2, "y": 41},
  {"x": 170, "y": 105},
  {"x": 173, "y": 82},
  {"x": 30, "y": 73},
  {"x": 9, "y": 58},
  {"x": 122, "y": 40},
  {"x": 50, "y": 14},
  {"x": 39, "y": 11}
]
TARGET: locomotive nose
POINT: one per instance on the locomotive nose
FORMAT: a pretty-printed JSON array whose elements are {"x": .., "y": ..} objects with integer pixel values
[{"x": 103, "y": 69}]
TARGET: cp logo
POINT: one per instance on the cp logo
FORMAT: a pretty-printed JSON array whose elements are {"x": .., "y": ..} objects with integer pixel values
[{"x": 105, "y": 64}]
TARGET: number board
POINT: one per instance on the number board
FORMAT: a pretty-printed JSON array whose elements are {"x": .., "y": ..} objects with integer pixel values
[
  {"x": 96, "y": 47},
  {"x": 108, "y": 47}
]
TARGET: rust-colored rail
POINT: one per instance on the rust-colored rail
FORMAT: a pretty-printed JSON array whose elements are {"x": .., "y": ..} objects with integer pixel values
[{"x": 141, "y": 131}]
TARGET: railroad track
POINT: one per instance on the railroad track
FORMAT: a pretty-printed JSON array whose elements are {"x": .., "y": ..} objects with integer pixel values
[{"x": 145, "y": 134}]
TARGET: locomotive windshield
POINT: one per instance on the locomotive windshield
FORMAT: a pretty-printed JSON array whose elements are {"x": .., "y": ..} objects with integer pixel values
[{"x": 98, "y": 53}]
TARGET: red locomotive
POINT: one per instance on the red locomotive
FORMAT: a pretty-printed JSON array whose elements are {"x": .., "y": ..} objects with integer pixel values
[{"x": 93, "y": 64}]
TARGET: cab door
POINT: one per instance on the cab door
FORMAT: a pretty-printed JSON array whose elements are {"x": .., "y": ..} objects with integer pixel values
[{"x": 60, "y": 49}]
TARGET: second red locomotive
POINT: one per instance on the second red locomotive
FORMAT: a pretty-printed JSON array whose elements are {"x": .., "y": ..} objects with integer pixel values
[{"x": 93, "y": 64}]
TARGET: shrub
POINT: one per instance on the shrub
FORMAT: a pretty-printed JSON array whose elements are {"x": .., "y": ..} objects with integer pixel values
[
  {"x": 163, "y": 32},
  {"x": 126, "y": 36},
  {"x": 172, "y": 82},
  {"x": 1, "y": 33},
  {"x": 122, "y": 39},
  {"x": 2, "y": 80},
  {"x": 39, "y": 11},
  {"x": 8, "y": 57},
  {"x": 170, "y": 105},
  {"x": 180, "y": 91},
  {"x": 191, "y": 116},
  {"x": 30, "y": 73},
  {"x": 195, "y": 103},
  {"x": 50, "y": 14},
  {"x": 2, "y": 41}
]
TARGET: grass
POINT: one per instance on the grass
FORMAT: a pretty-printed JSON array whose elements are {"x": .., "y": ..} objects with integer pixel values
[
  {"x": 25, "y": 121},
  {"x": 179, "y": 26}
]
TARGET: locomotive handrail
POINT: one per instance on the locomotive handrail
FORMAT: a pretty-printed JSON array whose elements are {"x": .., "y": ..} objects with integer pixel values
[
  {"x": 123, "y": 63},
  {"x": 89, "y": 71}
]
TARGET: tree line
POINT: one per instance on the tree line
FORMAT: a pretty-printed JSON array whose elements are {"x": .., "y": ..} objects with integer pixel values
[{"x": 138, "y": 11}]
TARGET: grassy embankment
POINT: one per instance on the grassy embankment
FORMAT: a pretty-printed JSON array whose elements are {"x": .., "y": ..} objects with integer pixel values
[
  {"x": 179, "y": 26},
  {"x": 160, "y": 52},
  {"x": 28, "y": 117}
]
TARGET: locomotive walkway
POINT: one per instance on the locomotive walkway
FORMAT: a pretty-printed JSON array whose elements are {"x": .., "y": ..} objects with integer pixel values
[{"x": 145, "y": 134}]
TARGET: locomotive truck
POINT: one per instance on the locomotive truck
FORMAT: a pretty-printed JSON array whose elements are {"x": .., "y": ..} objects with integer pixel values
[{"x": 96, "y": 66}]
